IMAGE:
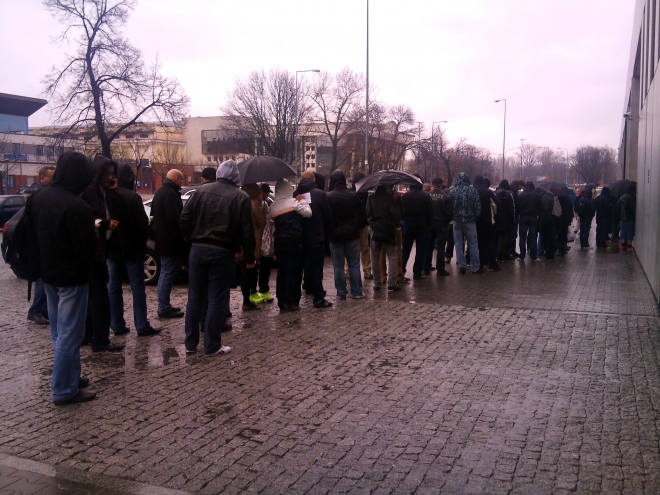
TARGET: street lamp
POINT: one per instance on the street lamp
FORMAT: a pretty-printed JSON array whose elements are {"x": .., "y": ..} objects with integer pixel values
[
  {"x": 567, "y": 166},
  {"x": 295, "y": 133},
  {"x": 504, "y": 134},
  {"x": 366, "y": 104},
  {"x": 522, "y": 143}
]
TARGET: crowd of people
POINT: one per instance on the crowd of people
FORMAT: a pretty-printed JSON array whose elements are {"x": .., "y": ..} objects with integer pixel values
[{"x": 91, "y": 228}]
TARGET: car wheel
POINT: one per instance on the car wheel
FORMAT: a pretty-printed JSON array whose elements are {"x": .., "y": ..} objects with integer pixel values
[{"x": 151, "y": 267}]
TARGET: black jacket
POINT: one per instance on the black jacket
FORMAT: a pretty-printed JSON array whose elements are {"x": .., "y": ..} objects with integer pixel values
[
  {"x": 288, "y": 228},
  {"x": 316, "y": 227},
  {"x": 384, "y": 216},
  {"x": 220, "y": 214},
  {"x": 417, "y": 209},
  {"x": 442, "y": 207},
  {"x": 485, "y": 197},
  {"x": 166, "y": 209},
  {"x": 505, "y": 220},
  {"x": 529, "y": 203},
  {"x": 628, "y": 207},
  {"x": 345, "y": 206},
  {"x": 105, "y": 207},
  {"x": 604, "y": 204},
  {"x": 65, "y": 224},
  {"x": 566, "y": 210},
  {"x": 133, "y": 230},
  {"x": 584, "y": 206},
  {"x": 547, "y": 203}
]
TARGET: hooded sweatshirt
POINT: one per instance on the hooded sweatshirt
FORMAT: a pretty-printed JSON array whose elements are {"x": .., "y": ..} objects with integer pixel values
[
  {"x": 465, "y": 200},
  {"x": 528, "y": 202},
  {"x": 506, "y": 211},
  {"x": 485, "y": 197},
  {"x": 346, "y": 209},
  {"x": 65, "y": 224},
  {"x": 417, "y": 208},
  {"x": 166, "y": 209},
  {"x": 219, "y": 214},
  {"x": 604, "y": 204}
]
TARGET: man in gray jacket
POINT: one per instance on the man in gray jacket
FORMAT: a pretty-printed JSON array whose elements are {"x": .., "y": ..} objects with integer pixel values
[{"x": 217, "y": 219}]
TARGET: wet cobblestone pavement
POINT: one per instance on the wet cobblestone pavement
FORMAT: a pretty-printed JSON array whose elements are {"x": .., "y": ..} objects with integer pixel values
[{"x": 542, "y": 378}]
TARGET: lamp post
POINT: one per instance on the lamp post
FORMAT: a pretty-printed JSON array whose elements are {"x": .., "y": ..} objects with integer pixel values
[
  {"x": 295, "y": 132},
  {"x": 366, "y": 115},
  {"x": 566, "y": 162},
  {"x": 522, "y": 142},
  {"x": 504, "y": 134}
]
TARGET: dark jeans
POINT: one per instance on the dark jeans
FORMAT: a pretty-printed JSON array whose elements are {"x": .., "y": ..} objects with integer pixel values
[
  {"x": 547, "y": 233},
  {"x": 314, "y": 256},
  {"x": 585, "y": 228},
  {"x": 487, "y": 239},
  {"x": 265, "y": 266},
  {"x": 419, "y": 238},
  {"x": 602, "y": 230},
  {"x": 288, "y": 265},
  {"x": 97, "y": 326},
  {"x": 437, "y": 237},
  {"x": 210, "y": 272},
  {"x": 39, "y": 301},
  {"x": 248, "y": 281},
  {"x": 562, "y": 237},
  {"x": 527, "y": 231},
  {"x": 503, "y": 240},
  {"x": 449, "y": 250}
]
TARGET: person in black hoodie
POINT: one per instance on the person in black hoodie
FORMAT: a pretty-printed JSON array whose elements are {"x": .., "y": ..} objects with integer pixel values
[
  {"x": 547, "y": 224},
  {"x": 603, "y": 204},
  {"x": 64, "y": 226},
  {"x": 584, "y": 207},
  {"x": 628, "y": 207},
  {"x": 344, "y": 236},
  {"x": 365, "y": 253},
  {"x": 127, "y": 252},
  {"x": 505, "y": 220},
  {"x": 564, "y": 223},
  {"x": 528, "y": 209},
  {"x": 439, "y": 231},
  {"x": 313, "y": 240},
  {"x": 166, "y": 209},
  {"x": 101, "y": 196},
  {"x": 417, "y": 220},
  {"x": 486, "y": 234}
]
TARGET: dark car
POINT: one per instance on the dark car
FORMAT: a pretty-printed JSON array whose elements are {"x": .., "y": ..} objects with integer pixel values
[{"x": 9, "y": 205}]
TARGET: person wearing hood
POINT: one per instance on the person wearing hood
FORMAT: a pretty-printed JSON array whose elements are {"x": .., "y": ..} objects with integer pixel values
[
  {"x": 505, "y": 220},
  {"x": 547, "y": 225},
  {"x": 603, "y": 204},
  {"x": 628, "y": 207},
  {"x": 442, "y": 213},
  {"x": 365, "y": 253},
  {"x": 315, "y": 231},
  {"x": 417, "y": 220},
  {"x": 584, "y": 207},
  {"x": 287, "y": 213},
  {"x": 217, "y": 220},
  {"x": 344, "y": 236},
  {"x": 466, "y": 205},
  {"x": 528, "y": 209},
  {"x": 128, "y": 254},
  {"x": 170, "y": 245},
  {"x": 486, "y": 233},
  {"x": 384, "y": 215},
  {"x": 66, "y": 241},
  {"x": 102, "y": 197}
]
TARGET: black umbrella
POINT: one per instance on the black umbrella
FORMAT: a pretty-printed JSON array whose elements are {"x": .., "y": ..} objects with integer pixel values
[
  {"x": 555, "y": 188},
  {"x": 264, "y": 169},
  {"x": 387, "y": 178},
  {"x": 620, "y": 187}
]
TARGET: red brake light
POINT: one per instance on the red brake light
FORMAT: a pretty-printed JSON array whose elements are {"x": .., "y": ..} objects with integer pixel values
[{"x": 5, "y": 228}]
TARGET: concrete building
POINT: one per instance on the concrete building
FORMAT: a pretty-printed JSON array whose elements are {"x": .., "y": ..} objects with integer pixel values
[{"x": 639, "y": 153}]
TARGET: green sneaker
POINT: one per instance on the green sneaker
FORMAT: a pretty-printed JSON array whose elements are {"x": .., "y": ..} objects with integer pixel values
[
  {"x": 256, "y": 298},
  {"x": 266, "y": 297}
]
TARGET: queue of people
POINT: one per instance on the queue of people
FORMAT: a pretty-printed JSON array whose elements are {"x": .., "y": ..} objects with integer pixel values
[{"x": 91, "y": 225}]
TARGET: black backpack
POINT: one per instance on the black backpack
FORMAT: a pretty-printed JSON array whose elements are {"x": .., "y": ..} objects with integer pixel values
[{"x": 23, "y": 253}]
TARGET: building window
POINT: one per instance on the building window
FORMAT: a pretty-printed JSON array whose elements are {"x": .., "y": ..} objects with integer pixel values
[
  {"x": 130, "y": 136},
  {"x": 144, "y": 136},
  {"x": 208, "y": 158},
  {"x": 10, "y": 182},
  {"x": 40, "y": 150},
  {"x": 17, "y": 148},
  {"x": 313, "y": 157}
]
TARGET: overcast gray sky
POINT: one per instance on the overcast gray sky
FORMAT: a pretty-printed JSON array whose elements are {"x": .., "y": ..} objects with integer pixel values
[{"x": 561, "y": 64}]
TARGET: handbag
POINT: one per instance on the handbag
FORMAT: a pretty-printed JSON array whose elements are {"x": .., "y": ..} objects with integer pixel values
[{"x": 267, "y": 240}]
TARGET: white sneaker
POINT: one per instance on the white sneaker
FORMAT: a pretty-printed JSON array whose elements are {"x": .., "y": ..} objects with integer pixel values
[{"x": 224, "y": 349}]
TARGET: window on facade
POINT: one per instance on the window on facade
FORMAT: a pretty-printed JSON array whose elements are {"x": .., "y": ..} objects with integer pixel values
[
  {"x": 144, "y": 136},
  {"x": 208, "y": 158},
  {"x": 313, "y": 157},
  {"x": 130, "y": 136},
  {"x": 17, "y": 148},
  {"x": 40, "y": 150}
]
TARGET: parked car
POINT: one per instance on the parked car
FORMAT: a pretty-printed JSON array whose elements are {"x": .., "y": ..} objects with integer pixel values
[{"x": 9, "y": 205}]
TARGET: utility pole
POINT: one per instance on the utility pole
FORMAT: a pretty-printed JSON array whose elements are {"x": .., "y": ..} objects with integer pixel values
[
  {"x": 366, "y": 116},
  {"x": 522, "y": 141}
]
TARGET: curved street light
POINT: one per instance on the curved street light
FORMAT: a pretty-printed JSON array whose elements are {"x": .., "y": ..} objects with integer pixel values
[{"x": 504, "y": 134}]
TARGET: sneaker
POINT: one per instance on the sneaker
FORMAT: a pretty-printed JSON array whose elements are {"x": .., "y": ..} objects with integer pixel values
[
  {"x": 108, "y": 348},
  {"x": 224, "y": 349},
  {"x": 191, "y": 351},
  {"x": 39, "y": 320},
  {"x": 250, "y": 306},
  {"x": 359, "y": 296},
  {"x": 419, "y": 277},
  {"x": 323, "y": 304},
  {"x": 443, "y": 273},
  {"x": 256, "y": 298},
  {"x": 81, "y": 396},
  {"x": 266, "y": 297},
  {"x": 172, "y": 313},
  {"x": 341, "y": 298},
  {"x": 149, "y": 331},
  {"x": 368, "y": 276},
  {"x": 121, "y": 331},
  {"x": 629, "y": 248}
]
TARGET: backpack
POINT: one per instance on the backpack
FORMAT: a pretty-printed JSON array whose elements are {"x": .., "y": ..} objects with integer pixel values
[
  {"x": 556, "y": 207},
  {"x": 23, "y": 253}
]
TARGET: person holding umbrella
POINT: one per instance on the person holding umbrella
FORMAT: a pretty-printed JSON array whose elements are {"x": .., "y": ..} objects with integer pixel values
[
  {"x": 383, "y": 216},
  {"x": 603, "y": 205}
]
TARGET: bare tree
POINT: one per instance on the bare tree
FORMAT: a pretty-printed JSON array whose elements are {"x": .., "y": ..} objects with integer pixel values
[
  {"x": 334, "y": 99},
  {"x": 105, "y": 82},
  {"x": 595, "y": 164},
  {"x": 8, "y": 161},
  {"x": 168, "y": 155},
  {"x": 267, "y": 107}
]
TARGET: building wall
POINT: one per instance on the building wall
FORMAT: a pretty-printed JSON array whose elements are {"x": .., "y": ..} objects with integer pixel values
[
  {"x": 13, "y": 123},
  {"x": 640, "y": 136}
]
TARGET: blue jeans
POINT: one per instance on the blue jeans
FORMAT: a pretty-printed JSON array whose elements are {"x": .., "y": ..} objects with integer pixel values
[
  {"x": 527, "y": 228},
  {"x": 67, "y": 309},
  {"x": 467, "y": 231},
  {"x": 350, "y": 251},
  {"x": 135, "y": 271},
  {"x": 169, "y": 271},
  {"x": 210, "y": 272},
  {"x": 39, "y": 301},
  {"x": 585, "y": 228}
]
